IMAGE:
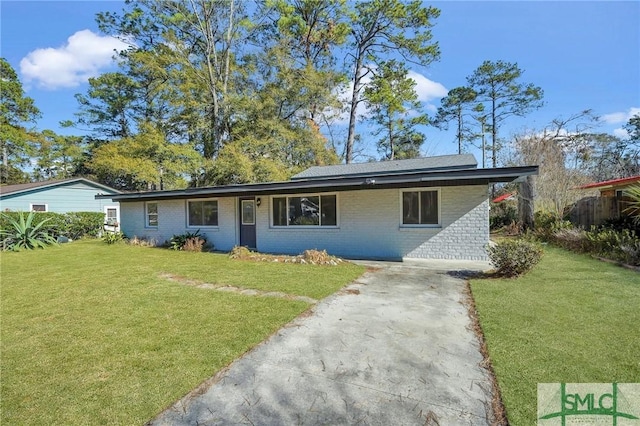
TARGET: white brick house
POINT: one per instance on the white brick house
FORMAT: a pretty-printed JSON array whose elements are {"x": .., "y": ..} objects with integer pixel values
[{"x": 436, "y": 207}]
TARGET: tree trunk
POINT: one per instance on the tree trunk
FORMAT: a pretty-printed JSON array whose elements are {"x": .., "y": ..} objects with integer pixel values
[
  {"x": 494, "y": 132},
  {"x": 355, "y": 99},
  {"x": 525, "y": 204}
]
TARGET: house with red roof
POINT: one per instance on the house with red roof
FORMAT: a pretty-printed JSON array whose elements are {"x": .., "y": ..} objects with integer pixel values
[
  {"x": 614, "y": 187},
  {"x": 610, "y": 203}
]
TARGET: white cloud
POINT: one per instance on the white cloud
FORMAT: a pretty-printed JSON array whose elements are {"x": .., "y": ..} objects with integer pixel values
[
  {"x": 426, "y": 89},
  {"x": 620, "y": 117},
  {"x": 84, "y": 54},
  {"x": 621, "y": 133}
]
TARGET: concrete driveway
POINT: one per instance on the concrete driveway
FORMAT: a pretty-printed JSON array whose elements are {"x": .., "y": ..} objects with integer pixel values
[{"x": 394, "y": 347}]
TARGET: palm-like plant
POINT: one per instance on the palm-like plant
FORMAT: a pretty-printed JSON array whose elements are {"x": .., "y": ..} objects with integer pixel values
[
  {"x": 633, "y": 192},
  {"x": 25, "y": 234}
]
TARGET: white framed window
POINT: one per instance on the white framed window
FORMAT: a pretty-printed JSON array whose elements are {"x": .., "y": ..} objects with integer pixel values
[
  {"x": 202, "y": 213},
  {"x": 111, "y": 216},
  {"x": 151, "y": 214},
  {"x": 420, "y": 207},
  {"x": 305, "y": 210},
  {"x": 40, "y": 207}
]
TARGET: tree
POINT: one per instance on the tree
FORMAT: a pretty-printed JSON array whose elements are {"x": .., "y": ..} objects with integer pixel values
[
  {"x": 457, "y": 106},
  {"x": 195, "y": 42},
  {"x": 633, "y": 129},
  {"x": 610, "y": 157},
  {"x": 144, "y": 161},
  {"x": 307, "y": 32},
  {"x": 57, "y": 156},
  {"x": 108, "y": 108},
  {"x": 497, "y": 85},
  {"x": 16, "y": 110},
  {"x": 395, "y": 108},
  {"x": 379, "y": 27},
  {"x": 560, "y": 151}
]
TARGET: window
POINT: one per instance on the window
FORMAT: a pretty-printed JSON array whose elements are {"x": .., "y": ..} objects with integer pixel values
[
  {"x": 306, "y": 210},
  {"x": 152, "y": 215},
  {"x": 111, "y": 216},
  {"x": 420, "y": 208},
  {"x": 248, "y": 212},
  {"x": 39, "y": 208},
  {"x": 202, "y": 213}
]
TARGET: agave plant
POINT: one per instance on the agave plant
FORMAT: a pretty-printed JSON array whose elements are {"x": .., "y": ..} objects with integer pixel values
[{"x": 25, "y": 234}]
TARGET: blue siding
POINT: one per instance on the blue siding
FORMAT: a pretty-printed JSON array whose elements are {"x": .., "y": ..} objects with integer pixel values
[{"x": 74, "y": 197}]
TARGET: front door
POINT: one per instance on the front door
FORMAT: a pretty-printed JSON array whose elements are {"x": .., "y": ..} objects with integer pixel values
[{"x": 248, "y": 222}]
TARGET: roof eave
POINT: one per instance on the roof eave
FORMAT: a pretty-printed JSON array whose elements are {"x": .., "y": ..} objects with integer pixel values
[
  {"x": 60, "y": 183},
  {"x": 441, "y": 178}
]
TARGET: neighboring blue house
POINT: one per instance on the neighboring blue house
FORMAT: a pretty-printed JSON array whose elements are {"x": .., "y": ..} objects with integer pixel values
[
  {"x": 60, "y": 196},
  {"x": 435, "y": 207}
]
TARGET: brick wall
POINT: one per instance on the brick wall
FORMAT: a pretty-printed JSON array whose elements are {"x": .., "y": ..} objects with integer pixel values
[
  {"x": 369, "y": 226},
  {"x": 172, "y": 220}
]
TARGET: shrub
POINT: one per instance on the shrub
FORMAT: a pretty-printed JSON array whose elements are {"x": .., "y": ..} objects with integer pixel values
[
  {"x": 193, "y": 244},
  {"x": 501, "y": 215},
  {"x": 177, "y": 242},
  {"x": 623, "y": 222},
  {"x": 546, "y": 224},
  {"x": 574, "y": 239},
  {"x": 622, "y": 246},
  {"x": 240, "y": 252},
  {"x": 55, "y": 223},
  {"x": 514, "y": 257},
  {"x": 316, "y": 257},
  {"x": 142, "y": 242},
  {"x": 84, "y": 224},
  {"x": 73, "y": 225},
  {"x": 25, "y": 233},
  {"x": 113, "y": 237}
]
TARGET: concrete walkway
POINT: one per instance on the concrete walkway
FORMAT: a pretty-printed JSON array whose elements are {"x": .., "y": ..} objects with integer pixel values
[{"x": 392, "y": 348}]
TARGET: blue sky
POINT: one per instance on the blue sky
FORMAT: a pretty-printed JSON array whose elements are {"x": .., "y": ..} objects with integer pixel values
[{"x": 583, "y": 55}]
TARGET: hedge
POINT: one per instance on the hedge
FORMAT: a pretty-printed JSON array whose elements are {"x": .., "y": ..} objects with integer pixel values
[{"x": 72, "y": 225}]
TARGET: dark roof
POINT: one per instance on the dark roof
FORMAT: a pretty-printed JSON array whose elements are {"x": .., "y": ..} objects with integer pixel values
[
  {"x": 611, "y": 183},
  {"x": 26, "y": 187},
  {"x": 471, "y": 176},
  {"x": 448, "y": 162}
]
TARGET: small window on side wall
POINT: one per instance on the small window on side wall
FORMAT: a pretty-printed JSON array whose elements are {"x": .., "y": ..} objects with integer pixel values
[
  {"x": 420, "y": 208},
  {"x": 152, "y": 215},
  {"x": 39, "y": 208}
]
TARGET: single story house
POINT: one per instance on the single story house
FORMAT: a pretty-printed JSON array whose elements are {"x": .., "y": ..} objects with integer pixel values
[
  {"x": 614, "y": 187},
  {"x": 60, "y": 196},
  {"x": 435, "y": 207},
  {"x": 610, "y": 203}
]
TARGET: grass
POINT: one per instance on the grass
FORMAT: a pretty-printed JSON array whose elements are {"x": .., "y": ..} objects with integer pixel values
[
  {"x": 92, "y": 335},
  {"x": 572, "y": 319}
]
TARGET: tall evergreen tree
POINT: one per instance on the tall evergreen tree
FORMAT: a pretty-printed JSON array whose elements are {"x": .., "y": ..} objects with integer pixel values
[
  {"x": 458, "y": 107},
  {"x": 379, "y": 27},
  {"x": 16, "y": 111},
  {"x": 498, "y": 87},
  {"x": 395, "y": 108}
]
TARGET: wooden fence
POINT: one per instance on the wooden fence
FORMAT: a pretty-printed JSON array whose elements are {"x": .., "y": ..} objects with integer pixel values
[{"x": 594, "y": 211}]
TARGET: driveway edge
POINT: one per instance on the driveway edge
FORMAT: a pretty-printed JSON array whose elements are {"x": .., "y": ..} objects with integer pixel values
[{"x": 496, "y": 412}]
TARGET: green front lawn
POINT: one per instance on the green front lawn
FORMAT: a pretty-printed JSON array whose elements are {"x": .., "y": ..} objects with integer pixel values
[
  {"x": 92, "y": 334},
  {"x": 572, "y": 319}
]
